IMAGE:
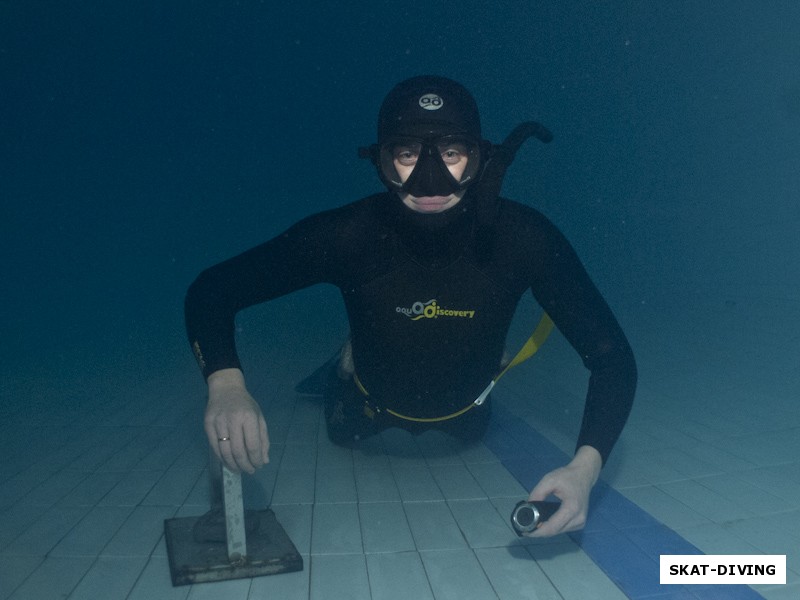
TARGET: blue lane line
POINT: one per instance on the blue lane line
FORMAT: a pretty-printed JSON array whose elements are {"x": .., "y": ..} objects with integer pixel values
[{"x": 621, "y": 538}]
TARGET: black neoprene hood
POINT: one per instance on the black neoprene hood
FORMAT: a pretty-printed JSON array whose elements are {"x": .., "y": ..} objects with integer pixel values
[{"x": 427, "y": 106}]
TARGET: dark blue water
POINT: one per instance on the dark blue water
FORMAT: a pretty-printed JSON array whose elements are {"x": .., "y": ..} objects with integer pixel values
[{"x": 144, "y": 141}]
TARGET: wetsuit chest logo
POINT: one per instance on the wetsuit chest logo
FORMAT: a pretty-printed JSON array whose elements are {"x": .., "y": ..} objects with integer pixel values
[{"x": 432, "y": 310}]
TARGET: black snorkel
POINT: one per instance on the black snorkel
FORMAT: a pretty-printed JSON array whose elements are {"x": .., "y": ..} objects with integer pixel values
[
  {"x": 500, "y": 158},
  {"x": 487, "y": 188}
]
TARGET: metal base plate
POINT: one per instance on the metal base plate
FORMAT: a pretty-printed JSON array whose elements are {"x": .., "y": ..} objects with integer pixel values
[{"x": 269, "y": 551}]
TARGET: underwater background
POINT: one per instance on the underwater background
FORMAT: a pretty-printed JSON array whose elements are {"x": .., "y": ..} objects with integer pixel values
[
  {"x": 145, "y": 141},
  {"x": 141, "y": 142}
]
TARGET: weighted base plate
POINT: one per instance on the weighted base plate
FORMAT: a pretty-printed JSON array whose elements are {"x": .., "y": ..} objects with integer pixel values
[{"x": 269, "y": 552}]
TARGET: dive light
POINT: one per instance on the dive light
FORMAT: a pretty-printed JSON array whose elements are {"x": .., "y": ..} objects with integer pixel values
[{"x": 527, "y": 516}]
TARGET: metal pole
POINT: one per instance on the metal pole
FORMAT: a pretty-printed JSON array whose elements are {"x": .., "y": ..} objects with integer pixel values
[
  {"x": 234, "y": 516},
  {"x": 215, "y": 481}
]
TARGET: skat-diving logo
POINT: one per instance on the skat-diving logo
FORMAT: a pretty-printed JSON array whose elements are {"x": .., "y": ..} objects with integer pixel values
[{"x": 432, "y": 310}]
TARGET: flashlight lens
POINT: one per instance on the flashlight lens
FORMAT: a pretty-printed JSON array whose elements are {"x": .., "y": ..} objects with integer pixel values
[{"x": 525, "y": 516}]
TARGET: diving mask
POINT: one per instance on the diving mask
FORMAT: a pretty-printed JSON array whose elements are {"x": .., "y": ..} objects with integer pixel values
[{"x": 429, "y": 158}]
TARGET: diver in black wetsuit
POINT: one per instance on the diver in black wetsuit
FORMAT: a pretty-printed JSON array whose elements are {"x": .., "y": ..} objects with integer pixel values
[{"x": 431, "y": 273}]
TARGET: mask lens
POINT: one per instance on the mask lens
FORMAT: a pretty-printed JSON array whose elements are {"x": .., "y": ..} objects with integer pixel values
[
  {"x": 445, "y": 150},
  {"x": 454, "y": 149},
  {"x": 407, "y": 154},
  {"x": 389, "y": 173},
  {"x": 452, "y": 154}
]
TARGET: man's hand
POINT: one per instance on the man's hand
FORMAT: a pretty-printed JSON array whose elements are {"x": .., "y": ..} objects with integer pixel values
[
  {"x": 234, "y": 424},
  {"x": 572, "y": 485}
]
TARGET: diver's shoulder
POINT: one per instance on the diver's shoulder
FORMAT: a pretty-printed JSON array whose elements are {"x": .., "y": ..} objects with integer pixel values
[
  {"x": 345, "y": 215},
  {"x": 363, "y": 208},
  {"x": 526, "y": 229},
  {"x": 347, "y": 226},
  {"x": 515, "y": 212}
]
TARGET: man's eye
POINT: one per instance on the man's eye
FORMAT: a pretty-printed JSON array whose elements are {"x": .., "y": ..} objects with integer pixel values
[
  {"x": 451, "y": 156},
  {"x": 406, "y": 157}
]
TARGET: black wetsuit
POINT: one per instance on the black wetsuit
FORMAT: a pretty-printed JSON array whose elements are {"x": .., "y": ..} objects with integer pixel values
[{"x": 429, "y": 309}]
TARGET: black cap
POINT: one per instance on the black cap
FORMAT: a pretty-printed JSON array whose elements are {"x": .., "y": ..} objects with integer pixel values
[{"x": 427, "y": 106}]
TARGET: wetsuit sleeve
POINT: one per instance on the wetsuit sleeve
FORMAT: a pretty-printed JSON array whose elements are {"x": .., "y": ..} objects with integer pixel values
[
  {"x": 577, "y": 308},
  {"x": 293, "y": 260}
]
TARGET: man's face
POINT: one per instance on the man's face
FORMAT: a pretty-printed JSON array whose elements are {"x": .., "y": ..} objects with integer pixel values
[{"x": 454, "y": 156}]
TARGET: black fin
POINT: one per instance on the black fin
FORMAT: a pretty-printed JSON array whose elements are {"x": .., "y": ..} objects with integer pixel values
[{"x": 316, "y": 383}]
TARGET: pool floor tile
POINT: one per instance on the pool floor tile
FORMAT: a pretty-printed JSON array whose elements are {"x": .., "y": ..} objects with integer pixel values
[
  {"x": 384, "y": 527},
  {"x": 56, "y": 577},
  {"x": 16, "y": 569},
  {"x": 481, "y": 524},
  {"x": 342, "y": 576},
  {"x": 398, "y": 576},
  {"x": 514, "y": 574},
  {"x": 335, "y": 485},
  {"x": 433, "y": 526},
  {"x": 416, "y": 484},
  {"x": 110, "y": 577},
  {"x": 336, "y": 529},
  {"x": 456, "y": 482},
  {"x": 456, "y": 575}
]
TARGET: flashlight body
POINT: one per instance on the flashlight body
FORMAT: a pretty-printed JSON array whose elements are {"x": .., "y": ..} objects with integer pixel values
[{"x": 527, "y": 516}]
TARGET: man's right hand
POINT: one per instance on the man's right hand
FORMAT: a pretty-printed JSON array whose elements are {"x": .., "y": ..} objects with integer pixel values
[{"x": 234, "y": 424}]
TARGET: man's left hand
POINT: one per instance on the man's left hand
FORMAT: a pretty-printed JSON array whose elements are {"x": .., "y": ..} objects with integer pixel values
[{"x": 570, "y": 484}]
